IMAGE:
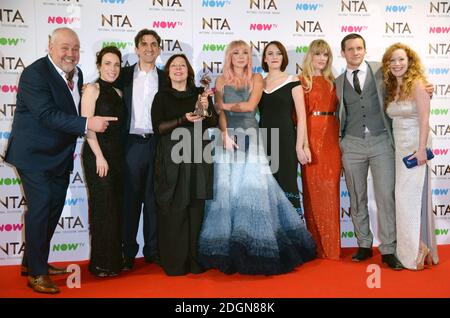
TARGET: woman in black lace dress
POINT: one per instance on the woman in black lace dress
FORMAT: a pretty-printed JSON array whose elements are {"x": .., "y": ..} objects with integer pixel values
[
  {"x": 103, "y": 162},
  {"x": 181, "y": 186}
]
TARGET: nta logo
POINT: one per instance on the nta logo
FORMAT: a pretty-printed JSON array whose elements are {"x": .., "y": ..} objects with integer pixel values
[
  {"x": 11, "y": 63},
  {"x": 263, "y": 4},
  {"x": 441, "y": 209},
  {"x": 397, "y": 27},
  {"x": 440, "y": 170},
  {"x": 70, "y": 222},
  {"x": 439, "y": 7},
  {"x": 116, "y": 20},
  {"x": 439, "y": 49},
  {"x": 13, "y": 248},
  {"x": 167, "y": 3},
  {"x": 215, "y": 24},
  {"x": 170, "y": 45},
  {"x": 13, "y": 202},
  {"x": 9, "y": 15},
  {"x": 440, "y": 130},
  {"x": 307, "y": 26},
  {"x": 353, "y": 6}
]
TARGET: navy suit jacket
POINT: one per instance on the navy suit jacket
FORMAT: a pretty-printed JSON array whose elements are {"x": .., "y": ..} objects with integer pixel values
[
  {"x": 125, "y": 83},
  {"x": 46, "y": 124}
]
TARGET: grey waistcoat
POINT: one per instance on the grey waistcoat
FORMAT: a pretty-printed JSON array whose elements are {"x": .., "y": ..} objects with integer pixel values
[{"x": 362, "y": 110}]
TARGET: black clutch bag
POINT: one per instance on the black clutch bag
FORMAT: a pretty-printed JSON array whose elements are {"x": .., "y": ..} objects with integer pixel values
[{"x": 413, "y": 162}]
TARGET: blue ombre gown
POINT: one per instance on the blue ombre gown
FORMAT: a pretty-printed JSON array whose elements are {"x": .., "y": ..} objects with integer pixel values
[{"x": 250, "y": 226}]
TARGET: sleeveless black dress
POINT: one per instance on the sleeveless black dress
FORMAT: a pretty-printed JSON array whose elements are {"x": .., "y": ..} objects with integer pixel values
[{"x": 105, "y": 194}]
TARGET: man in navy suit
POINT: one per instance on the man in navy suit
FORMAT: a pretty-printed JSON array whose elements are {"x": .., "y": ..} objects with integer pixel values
[
  {"x": 140, "y": 83},
  {"x": 41, "y": 145}
]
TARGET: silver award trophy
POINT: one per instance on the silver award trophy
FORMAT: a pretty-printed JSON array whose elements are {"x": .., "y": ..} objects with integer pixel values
[{"x": 199, "y": 110}]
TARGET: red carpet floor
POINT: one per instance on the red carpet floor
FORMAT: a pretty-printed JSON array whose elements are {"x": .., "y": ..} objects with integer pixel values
[{"x": 319, "y": 278}]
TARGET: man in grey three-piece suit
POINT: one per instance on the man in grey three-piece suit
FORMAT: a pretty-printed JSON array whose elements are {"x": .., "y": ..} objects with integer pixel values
[{"x": 366, "y": 141}]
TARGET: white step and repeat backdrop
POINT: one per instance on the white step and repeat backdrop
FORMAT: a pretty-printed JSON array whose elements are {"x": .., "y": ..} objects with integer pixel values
[{"x": 201, "y": 29}]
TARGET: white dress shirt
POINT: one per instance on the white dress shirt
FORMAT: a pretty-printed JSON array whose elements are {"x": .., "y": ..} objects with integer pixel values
[
  {"x": 75, "y": 93},
  {"x": 145, "y": 87},
  {"x": 361, "y": 74}
]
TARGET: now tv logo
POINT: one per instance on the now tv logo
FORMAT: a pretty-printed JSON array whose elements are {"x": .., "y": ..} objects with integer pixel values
[
  {"x": 66, "y": 247},
  {"x": 62, "y": 20},
  {"x": 215, "y": 3},
  {"x": 113, "y": 1},
  {"x": 213, "y": 47},
  {"x": 438, "y": 71},
  {"x": 397, "y": 8},
  {"x": 119, "y": 45},
  {"x": 439, "y": 111},
  {"x": 11, "y": 41},
  {"x": 167, "y": 24},
  {"x": 10, "y": 181},
  {"x": 73, "y": 201},
  {"x": 439, "y": 29},
  {"x": 440, "y": 151},
  {"x": 262, "y": 26},
  {"x": 308, "y": 6},
  {"x": 8, "y": 88},
  {"x": 353, "y": 28},
  {"x": 11, "y": 227},
  {"x": 439, "y": 191},
  {"x": 441, "y": 231}
]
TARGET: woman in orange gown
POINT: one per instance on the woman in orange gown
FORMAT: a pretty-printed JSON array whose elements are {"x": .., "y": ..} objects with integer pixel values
[{"x": 321, "y": 177}]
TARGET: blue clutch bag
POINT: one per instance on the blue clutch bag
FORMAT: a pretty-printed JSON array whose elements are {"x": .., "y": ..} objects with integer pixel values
[{"x": 413, "y": 162}]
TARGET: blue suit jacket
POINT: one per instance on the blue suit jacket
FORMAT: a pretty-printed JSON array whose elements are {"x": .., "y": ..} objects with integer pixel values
[{"x": 46, "y": 124}]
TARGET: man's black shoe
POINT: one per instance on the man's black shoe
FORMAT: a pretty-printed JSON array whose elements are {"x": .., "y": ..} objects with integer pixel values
[
  {"x": 392, "y": 261},
  {"x": 362, "y": 254},
  {"x": 127, "y": 264}
]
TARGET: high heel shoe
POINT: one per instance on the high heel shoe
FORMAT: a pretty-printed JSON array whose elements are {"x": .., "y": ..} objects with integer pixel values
[
  {"x": 424, "y": 257},
  {"x": 428, "y": 260}
]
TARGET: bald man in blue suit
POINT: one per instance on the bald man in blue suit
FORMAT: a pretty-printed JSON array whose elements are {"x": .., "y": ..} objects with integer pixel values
[{"x": 45, "y": 129}]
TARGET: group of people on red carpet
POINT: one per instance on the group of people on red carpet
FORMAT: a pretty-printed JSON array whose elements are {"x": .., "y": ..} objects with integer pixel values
[{"x": 227, "y": 206}]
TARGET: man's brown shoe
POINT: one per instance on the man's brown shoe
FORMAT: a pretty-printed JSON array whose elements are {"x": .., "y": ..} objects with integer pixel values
[
  {"x": 52, "y": 270},
  {"x": 42, "y": 284}
]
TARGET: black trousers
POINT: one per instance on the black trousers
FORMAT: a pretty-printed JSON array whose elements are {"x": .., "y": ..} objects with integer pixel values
[
  {"x": 179, "y": 231},
  {"x": 139, "y": 196},
  {"x": 45, "y": 193}
]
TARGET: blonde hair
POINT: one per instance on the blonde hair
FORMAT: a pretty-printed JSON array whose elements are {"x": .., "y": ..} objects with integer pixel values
[
  {"x": 414, "y": 73},
  {"x": 317, "y": 46},
  {"x": 229, "y": 75}
]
